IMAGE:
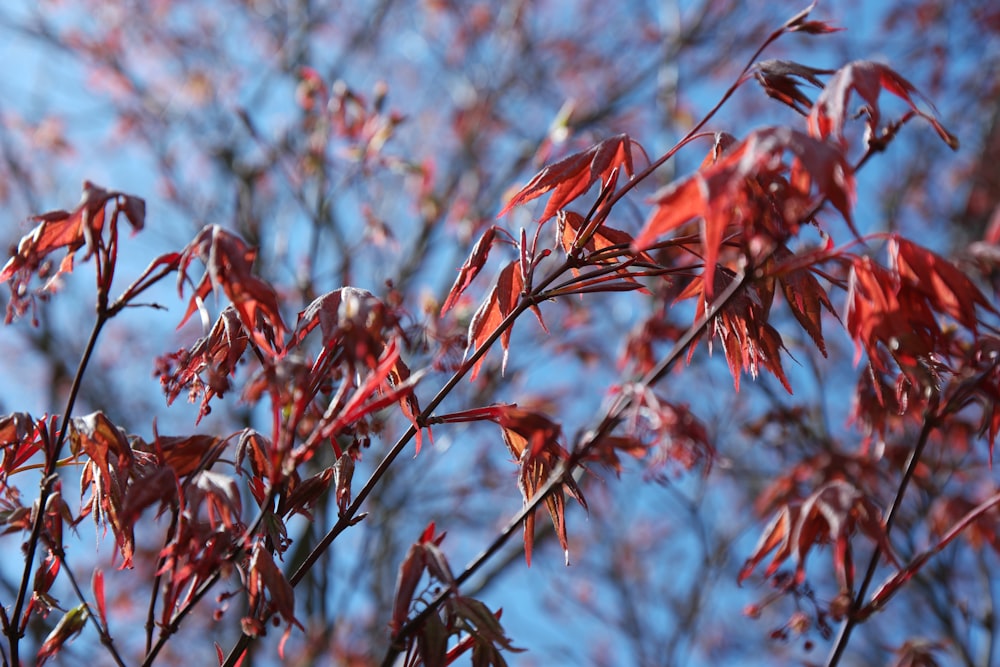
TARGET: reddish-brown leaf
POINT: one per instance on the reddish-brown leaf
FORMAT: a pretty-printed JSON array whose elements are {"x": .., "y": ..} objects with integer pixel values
[
  {"x": 574, "y": 175},
  {"x": 673, "y": 436},
  {"x": 833, "y": 107},
  {"x": 158, "y": 487},
  {"x": 380, "y": 387},
  {"x": 533, "y": 440},
  {"x": 205, "y": 369},
  {"x": 896, "y": 308},
  {"x": 727, "y": 193},
  {"x": 473, "y": 265},
  {"x": 84, "y": 226},
  {"x": 748, "y": 340},
  {"x": 805, "y": 297},
  {"x": 831, "y": 514},
  {"x": 603, "y": 245},
  {"x": 219, "y": 497},
  {"x": 304, "y": 495},
  {"x": 357, "y": 329},
  {"x": 98, "y": 586},
  {"x": 500, "y": 303},
  {"x": 185, "y": 454},
  {"x": 486, "y": 637},
  {"x": 798, "y": 23},
  {"x": 107, "y": 475},
  {"x": 781, "y": 79},
  {"x": 20, "y": 439},
  {"x": 268, "y": 590},
  {"x": 350, "y": 319},
  {"x": 945, "y": 287},
  {"x": 229, "y": 266},
  {"x": 875, "y": 313},
  {"x": 410, "y": 571}
]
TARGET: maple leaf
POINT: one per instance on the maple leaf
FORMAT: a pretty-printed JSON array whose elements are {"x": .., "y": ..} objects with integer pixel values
[
  {"x": 377, "y": 390},
  {"x": 867, "y": 79},
  {"x": 570, "y": 227},
  {"x": 471, "y": 268},
  {"x": 804, "y": 295},
  {"x": 205, "y": 369},
  {"x": 20, "y": 439},
  {"x": 483, "y": 632},
  {"x": 830, "y": 514},
  {"x": 986, "y": 358},
  {"x": 728, "y": 191},
  {"x": 107, "y": 474},
  {"x": 353, "y": 323},
  {"x": 748, "y": 340},
  {"x": 669, "y": 431},
  {"x": 228, "y": 264},
  {"x": 268, "y": 590},
  {"x": 574, "y": 175},
  {"x": 781, "y": 79},
  {"x": 416, "y": 562},
  {"x": 498, "y": 305},
  {"x": 356, "y": 327},
  {"x": 84, "y": 226},
  {"x": 943, "y": 284},
  {"x": 883, "y": 309},
  {"x": 896, "y": 307},
  {"x": 533, "y": 440}
]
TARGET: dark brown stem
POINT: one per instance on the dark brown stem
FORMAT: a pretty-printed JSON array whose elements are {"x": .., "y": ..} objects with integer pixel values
[
  {"x": 844, "y": 634},
  {"x": 48, "y": 479},
  {"x": 151, "y": 613},
  {"x": 563, "y": 473},
  {"x": 102, "y": 630}
]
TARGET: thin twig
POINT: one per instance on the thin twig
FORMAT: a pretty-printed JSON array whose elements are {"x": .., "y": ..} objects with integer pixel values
[
  {"x": 47, "y": 483},
  {"x": 564, "y": 471},
  {"x": 844, "y": 634},
  {"x": 102, "y": 630}
]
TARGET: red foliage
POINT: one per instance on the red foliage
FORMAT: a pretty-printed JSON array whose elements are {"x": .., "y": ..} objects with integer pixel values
[
  {"x": 750, "y": 187},
  {"x": 345, "y": 377},
  {"x": 571, "y": 177}
]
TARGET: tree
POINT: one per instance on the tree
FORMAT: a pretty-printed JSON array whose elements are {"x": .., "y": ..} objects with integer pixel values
[{"x": 321, "y": 210}]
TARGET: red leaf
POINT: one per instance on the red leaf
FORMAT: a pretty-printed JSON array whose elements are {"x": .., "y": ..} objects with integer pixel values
[
  {"x": 473, "y": 265},
  {"x": 533, "y": 440},
  {"x": 381, "y": 387},
  {"x": 267, "y": 588},
  {"x": 670, "y": 432},
  {"x": 410, "y": 571},
  {"x": 798, "y": 23},
  {"x": 781, "y": 79},
  {"x": 160, "y": 486},
  {"x": 229, "y": 266},
  {"x": 830, "y": 514},
  {"x": 69, "y": 230},
  {"x": 805, "y": 296},
  {"x": 945, "y": 287},
  {"x": 727, "y": 191},
  {"x": 219, "y": 497},
  {"x": 574, "y": 175},
  {"x": 205, "y": 369},
  {"x": 491, "y": 313},
  {"x": 107, "y": 474},
  {"x": 569, "y": 227},
  {"x": 98, "y": 586},
  {"x": 867, "y": 79},
  {"x": 748, "y": 340},
  {"x": 20, "y": 439}
]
